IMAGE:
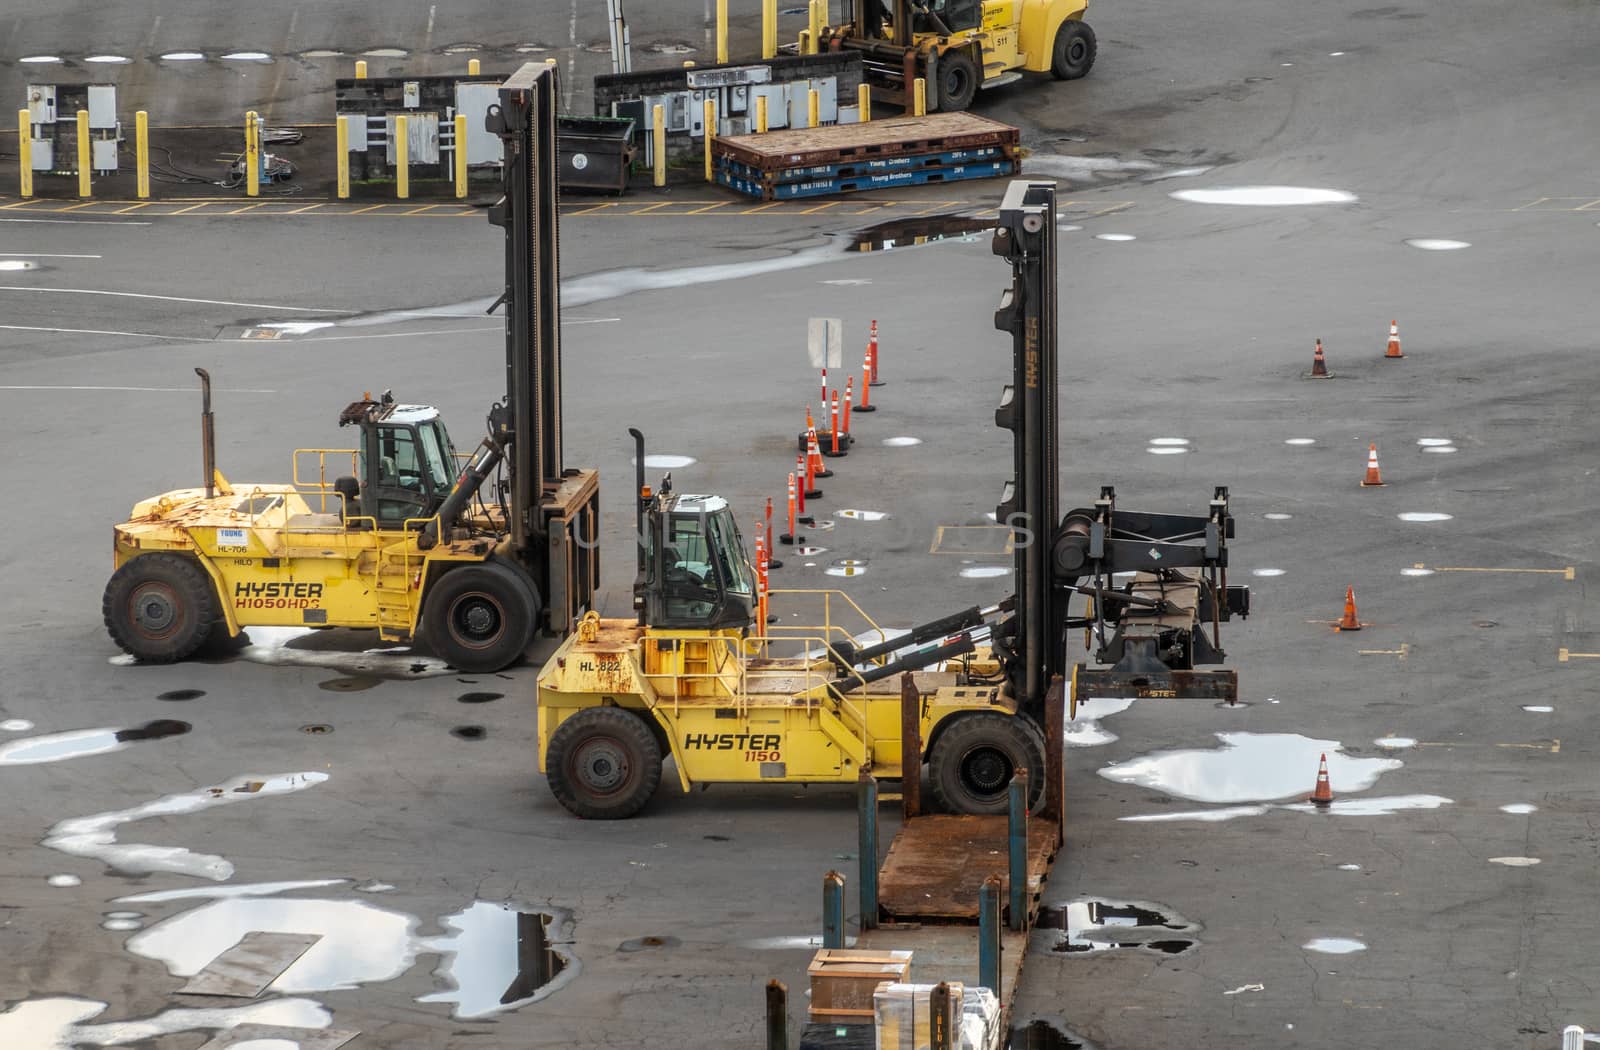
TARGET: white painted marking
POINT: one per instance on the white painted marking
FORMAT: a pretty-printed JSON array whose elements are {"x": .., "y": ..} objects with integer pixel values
[
  {"x": 1256, "y": 987},
  {"x": 167, "y": 298},
  {"x": 1423, "y": 515},
  {"x": 134, "y": 390},
  {"x": 1538, "y": 709},
  {"x": 247, "y": 56},
  {"x": 1349, "y": 867},
  {"x": 1169, "y": 441},
  {"x": 1277, "y": 516},
  {"x": 50, "y": 255},
  {"x": 39, "y": 59},
  {"x": 983, "y": 572},
  {"x": 1335, "y": 54},
  {"x": 84, "y": 222},
  {"x": 1068, "y": 227},
  {"x": 1264, "y": 196},
  {"x": 64, "y": 881},
  {"x": 1166, "y": 450},
  {"x": 902, "y": 442},
  {"x": 1395, "y": 743},
  {"x": 1443, "y": 450},
  {"x": 16, "y": 725},
  {"x": 1414, "y": 571},
  {"x": 1300, "y": 441},
  {"x": 1435, "y": 442},
  {"x": 17, "y": 265},
  {"x": 183, "y": 56},
  {"x": 1334, "y": 945},
  {"x": 1114, "y": 237},
  {"x": 109, "y": 60},
  {"x": 102, "y": 331},
  {"x": 1437, "y": 244},
  {"x": 1515, "y": 862},
  {"x": 1266, "y": 572},
  {"x": 386, "y": 52},
  {"x": 1518, "y": 808},
  {"x": 665, "y": 461}
]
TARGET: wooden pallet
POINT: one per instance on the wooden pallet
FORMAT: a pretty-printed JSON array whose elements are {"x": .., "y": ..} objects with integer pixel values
[
  {"x": 937, "y": 863},
  {"x": 838, "y": 143}
]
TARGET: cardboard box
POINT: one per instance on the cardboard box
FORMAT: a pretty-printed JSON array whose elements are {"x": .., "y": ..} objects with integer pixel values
[
  {"x": 843, "y": 980},
  {"x": 904, "y": 1015}
]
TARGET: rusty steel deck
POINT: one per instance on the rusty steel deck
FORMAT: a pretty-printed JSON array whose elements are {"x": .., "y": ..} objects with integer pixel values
[{"x": 937, "y": 863}]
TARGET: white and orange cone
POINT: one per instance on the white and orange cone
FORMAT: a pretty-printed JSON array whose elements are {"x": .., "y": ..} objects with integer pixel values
[
  {"x": 1349, "y": 621},
  {"x": 1319, "y": 364},
  {"x": 1322, "y": 794},
  {"x": 1393, "y": 350},
  {"x": 1373, "y": 478}
]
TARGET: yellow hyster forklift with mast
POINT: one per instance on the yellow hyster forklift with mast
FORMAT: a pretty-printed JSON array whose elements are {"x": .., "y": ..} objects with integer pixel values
[
  {"x": 406, "y": 542},
  {"x": 960, "y": 46},
  {"x": 696, "y": 673}
]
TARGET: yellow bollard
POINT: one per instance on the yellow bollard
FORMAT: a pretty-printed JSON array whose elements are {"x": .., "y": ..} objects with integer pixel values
[
  {"x": 474, "y": 67},
  {"x": 816, "y": 14},
  {"x": 864, "y": 102},
  {"x": 658, "y": 142},
  {"x": 141, "y": 153},
  {"x": 919, "y": 98},
  {"x": 24, "y": 153},
  {"x": 805, "y": 41},
  {"x": 252, "y": 156},
  {"x": 461, "y": 156},
  {"x": 761, "y": 114},
  {"x": 813, "y": 108},
  {"x": 769, "y": 29},
  {"x": 711, "y": 133},
  {"x": 402, "y": 158},
  {"x": 722, "y": 31},
  {"x": 84, "y": 159},
  {"x": 341, "y": 145},
  {"x": 361, "y": 69}
]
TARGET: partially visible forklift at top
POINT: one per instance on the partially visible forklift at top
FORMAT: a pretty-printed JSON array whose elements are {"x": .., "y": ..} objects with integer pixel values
[
  {"x": 473, "y": 558},
  {"x": 958, "y": 47},
  {"x": 731, "y": 700}
]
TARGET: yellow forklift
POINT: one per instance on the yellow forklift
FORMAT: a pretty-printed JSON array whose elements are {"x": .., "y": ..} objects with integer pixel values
[
  {"x": 695, "y": 674},
  {"x": 411, "y": 541},
  {"x": 960, "y": 46}
]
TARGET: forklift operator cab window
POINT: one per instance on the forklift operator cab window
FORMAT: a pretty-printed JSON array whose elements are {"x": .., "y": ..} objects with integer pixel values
[
  {"x": 409, "y": 473},
  {"x": 704, "y": 579},
  {"x": 955, "y": 14}
]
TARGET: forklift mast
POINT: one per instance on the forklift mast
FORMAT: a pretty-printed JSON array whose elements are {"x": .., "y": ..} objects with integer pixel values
[{"x": 1030, "y": 502}]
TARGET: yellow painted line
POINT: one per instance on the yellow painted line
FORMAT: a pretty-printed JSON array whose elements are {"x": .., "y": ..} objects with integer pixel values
[
  {"x": 190, "y": 208},
  {"x": 760, "y": 208},
  {"x": 132, "y": 207},
  {"x": 1552, "y": 746},
  {"x": 1586, "y": 207},
  {"x": 423, "y": 210},
  {"x": 824, "y": 206},
  {"x": 1568, "y": 573},
  {"x": 1564, "y": 655},
  {"x": 77, "y": 207},
  {"x": 305, "y": 208},
  {"x": 709, "y": 208},
  {"x": 247, "y": 207},
  {"x": 650, "y": 208},
  {"x": 1531, "y": 204},
  {"x": 368, "y": 208},
  {"x": 602, "y": 206},
  {"x": 19, "y": 204},
  {"x": 1402, "y": 652}
]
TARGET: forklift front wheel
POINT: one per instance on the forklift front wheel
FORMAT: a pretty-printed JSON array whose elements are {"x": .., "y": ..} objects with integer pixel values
[
  {"x": 1074, "y": 50},
  {"x": 958, "y": 81},
  {"x": 160, "y": 607},
  {"x": 603, "y": 764},
  {"x": 479, "y": 618},
  {"x": 974, "y": 759}
]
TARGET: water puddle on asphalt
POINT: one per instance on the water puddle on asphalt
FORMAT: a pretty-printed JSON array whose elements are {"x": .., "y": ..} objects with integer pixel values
[
  {"x": 1349, "y": 867},
  {"x": 1334, "y": 945},
  {"x": 95, "y": 836},
  {"x": 478, "y": 698},
  {"x": 307, "y": 647},
  {"x": 1166, "y": 450},
  {"x": 497, "y": 958},
  {"x": 57, "y": 1022},
  {"x": 901, "y": 442},
  {"x": 78, "y": 743},
  {"x": 63, "y": 881},
  {"x": 247, "y": 56},
  {"x": 1378, "y": 806},
  {"x": 1095, "y": 924},
  {"x": 1042, "y": 1035},
  {"x": 1515, "y": 862},
  {"x": 385, "y": 52},
  {"x": 16, "y": 725},
  {"x": 906, "y": 233},
  {"x": 40, "y": 60},
  {"x": 1277, "y": 516},
  {"x": 1416, "y": 570},
  {"x": 1437, "y": 244},
  {"x": 1538, "y": 709},
  {"x": 1300, "y": 442},
  {"x": 1519, "y": 808},
  {"x": 985, "y": 572},
  {"x": 1423, "y": 515},
  {"x": 1395, "y": 743},
  {"x": 322, "y": 52},
  {"x": 108, "y": 60},
  {"x": 1264, "y": 196},
  {"x": 810, "y": 552},
  {"x": 351, "y": 684},
  {"x": 1175, "y": 442},
  {"x": 1085, "y": 729},
  {"x": 181, "y": 694},
  {"x": 1441, "y": 450},
  {"x": 779, "y": 944},
  {"x": 861, "y": 515},
  {"x": 184, "y": 56},
  {"x": 1115, "y": 237},
  {"x": 1250, "y": 767},
  {"x": 1266, "y": 572},
  {"x": 469, "y": 732},
  {"x": 1205, "y": 816}
]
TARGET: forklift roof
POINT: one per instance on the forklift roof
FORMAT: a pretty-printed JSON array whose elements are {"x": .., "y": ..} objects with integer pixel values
[
  {"x": 700, "y": 504},
  {"x": 412, "y": 414}
]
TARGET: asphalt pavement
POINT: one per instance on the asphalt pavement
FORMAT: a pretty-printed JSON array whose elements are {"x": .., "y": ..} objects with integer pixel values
[{"x": 1454, "y": 151}]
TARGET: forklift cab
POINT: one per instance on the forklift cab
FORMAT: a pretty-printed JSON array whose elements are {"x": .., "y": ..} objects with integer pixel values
[
  {"x": 405, "y": 463},
  {"x": 695, "y": 575}
]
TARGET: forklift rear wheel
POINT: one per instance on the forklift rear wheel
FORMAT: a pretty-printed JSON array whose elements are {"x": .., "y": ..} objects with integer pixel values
[
  {"x": 479, "y": 618},
  {"x": 603, "y": 763},
  {"x": 160, "y": 607},
  {"x": 973, "y": 760},
  {"x": 1074, "y": 50},
  {"x": 958, "y": 82}
]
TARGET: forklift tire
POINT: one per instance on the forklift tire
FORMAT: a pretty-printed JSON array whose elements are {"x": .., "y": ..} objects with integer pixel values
[
  {"x": 958, "y": 81},
  {"x": 603, "y": 763},
  {"x": 1074, "y": 50},
  {"x": 479, "y": 617},
  {"x": 973, "y": 759},
  {"x": 160, "y": 607}
]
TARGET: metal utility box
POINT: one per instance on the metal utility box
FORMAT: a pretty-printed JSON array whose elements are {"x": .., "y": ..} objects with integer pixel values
[
  {"x": 596, "y": 153},
  {"x": 472, "y": 98},
  {"x": 430, "y": 105},
  {"x": 422, "y": 138},
  {"x": 53, "y": 126}
]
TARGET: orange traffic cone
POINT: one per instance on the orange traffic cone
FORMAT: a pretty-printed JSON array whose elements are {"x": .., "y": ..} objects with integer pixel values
[
  {"x": 1322, "y": 795},
  {"x": 1349, "y": 622},
  {"x": 1373, "y": 478},
  {"x": 1394, "y": 341},
  {"x": 814, "y": 457},
  {"x": 1319, "y": 364}
]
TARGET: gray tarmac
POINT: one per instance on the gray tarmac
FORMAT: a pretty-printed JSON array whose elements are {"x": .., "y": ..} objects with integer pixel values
[{"x": 1461, "y": 124}]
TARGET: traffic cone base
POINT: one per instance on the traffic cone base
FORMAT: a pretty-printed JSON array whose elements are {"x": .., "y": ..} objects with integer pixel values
[
  {"x": 1322, "y": 794},
  {"x": 1392, "y": 351},
  {"x": 774, "y": 563},
  {"x": 790, "y": 539},
  {"x": 1350, "y": 621}
]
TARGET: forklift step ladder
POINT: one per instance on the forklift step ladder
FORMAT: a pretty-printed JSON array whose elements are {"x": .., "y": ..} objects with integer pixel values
[{"x": 392, "y": 585}]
